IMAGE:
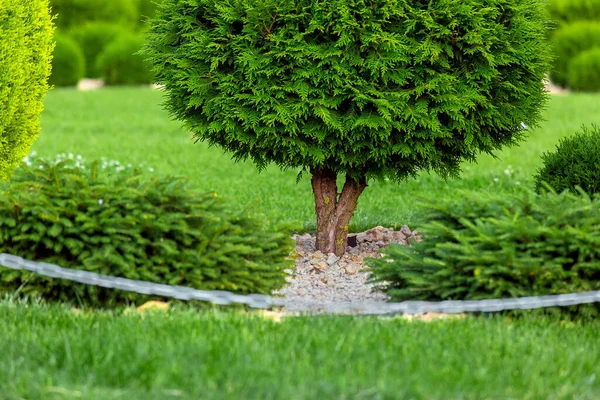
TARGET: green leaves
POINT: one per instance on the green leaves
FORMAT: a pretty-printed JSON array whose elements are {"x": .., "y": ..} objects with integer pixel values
[
  {"x": 375, "y": 85},
  {"x": 125, "y": 224},
  {"x": 492, "y": 246}
]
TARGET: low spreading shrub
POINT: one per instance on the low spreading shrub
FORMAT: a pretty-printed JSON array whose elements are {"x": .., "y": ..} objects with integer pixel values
[
  {"x": 122, "y": 223},
  {"x": 71, "y": 13},
  {"x": 566, "y": 11},
  {"x": 584, "y": 71},
  {"x": 569, "y": 41},
  {"x": 93, "y": 38},
  {"x": 25, "y": 52},
  {"x": 482, "y": 246},
  {"x": 120, "y": 63},
  {"x": 68, "y": 62},
  {"x": 574, "y": 163}
]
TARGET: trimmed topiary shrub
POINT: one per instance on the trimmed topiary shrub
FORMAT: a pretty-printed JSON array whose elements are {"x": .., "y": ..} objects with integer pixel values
[
  {"x": 120, "y": 63},
  {"x": 68, "y": 62},
  {"x": 574, "y": 163},
  {"x": 584, "y": 71},
  {"x": 125, "y": 224},
  {"x": 25, "y": 53},
  {"x": 93, "y": 38},
  {"x": 569, "y": 42},
  {"x": 71, "y": 13},
  {"x": 566, "y": 11},
  {"x": 367, "y": 89},
  {"x": 483, "y": 246}
]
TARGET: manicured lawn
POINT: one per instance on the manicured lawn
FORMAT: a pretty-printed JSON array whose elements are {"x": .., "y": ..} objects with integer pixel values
[
  {"x": 129, "y": 125},
  {"x": 52, "y": 353}
]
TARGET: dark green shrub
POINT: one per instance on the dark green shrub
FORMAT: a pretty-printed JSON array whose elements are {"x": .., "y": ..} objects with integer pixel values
[
  {"x": 574, "y": 163},
  {"x": 482, "y": 246},
  {"x": 93, "y": 38},
  {"x": 584, "y": 71},
  {"x": 569, "y": 42},
  {"x": 77, "y": 12},
  {"x": 367, "y": 89},
  {"x": 120, "y": 63},
  {"x": 566, "y": 11},
  {"x": 68, "y": 62},
  {"x": 126, "y": 225},
  {"x": 25, "y": 53}
]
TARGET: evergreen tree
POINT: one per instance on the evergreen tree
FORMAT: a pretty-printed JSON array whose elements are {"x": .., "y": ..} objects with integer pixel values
[
  {"x": 25, "y": 53},
  {"x": 367, "y": 89}
]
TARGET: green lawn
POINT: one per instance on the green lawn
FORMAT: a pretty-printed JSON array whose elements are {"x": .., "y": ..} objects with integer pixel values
[
  {"x": 50, "y": 353},
  {"x": 129, "y": 125}
]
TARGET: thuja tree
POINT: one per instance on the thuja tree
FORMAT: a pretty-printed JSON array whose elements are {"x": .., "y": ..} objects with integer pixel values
[
  {"x": 25, "y": 53},
  {"x": 366, "y": 89}
]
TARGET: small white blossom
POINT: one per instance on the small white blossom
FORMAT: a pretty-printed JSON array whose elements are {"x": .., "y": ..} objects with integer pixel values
[
  {"x": 100, "y": 201},
  {"x": 496, "y": 179}
]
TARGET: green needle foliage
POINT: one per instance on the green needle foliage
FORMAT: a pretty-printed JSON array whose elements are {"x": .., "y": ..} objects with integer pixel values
[
  {"x": 483, "y": 245},
  {"x": 575, "y": 163},
  {"x": 123, "y": 224},
  {"x": 25, "y": 53},
  {"x": 378, "y": 88}
]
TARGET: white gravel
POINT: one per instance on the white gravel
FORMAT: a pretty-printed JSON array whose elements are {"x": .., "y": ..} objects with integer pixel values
[{"x": 325, "y": 280}]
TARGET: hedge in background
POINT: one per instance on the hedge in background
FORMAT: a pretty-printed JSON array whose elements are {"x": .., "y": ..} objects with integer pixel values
[
  {"x": 120, "y": 63},
  {"x": 93, "y": 38},
  {"x": 25, "y": 53},
  {"x": 77, "y": 12},
  {"x": 574, "y": 163},
  {"x": 126, "y": 225},
  {"x": 584, "y": 71},
  {"x": 484, "y": 246},
  {"x": 566, "y": 11},
  {"x": 570, "y": 41},
  {"x": 68, "y": 62}
]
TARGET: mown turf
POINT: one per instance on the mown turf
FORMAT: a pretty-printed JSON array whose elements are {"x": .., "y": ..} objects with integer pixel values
[
  {"x": 52, "y": 353},
  {"x": 49, "y": 352},
  {"x": 129, "y": 125}
]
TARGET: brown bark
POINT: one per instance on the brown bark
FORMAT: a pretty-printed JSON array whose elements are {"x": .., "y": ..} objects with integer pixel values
[{"x": 334, "y": 211}]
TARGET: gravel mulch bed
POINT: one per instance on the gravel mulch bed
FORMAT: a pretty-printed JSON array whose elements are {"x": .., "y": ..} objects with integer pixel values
[{"x": 325, "y": 280}]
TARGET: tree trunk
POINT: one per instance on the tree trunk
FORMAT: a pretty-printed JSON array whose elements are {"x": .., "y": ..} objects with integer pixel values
[{"x": 334, "y": 211}]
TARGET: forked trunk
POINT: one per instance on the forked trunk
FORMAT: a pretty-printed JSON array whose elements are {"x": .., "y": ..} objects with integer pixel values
[{"x": 334, "y": 211}]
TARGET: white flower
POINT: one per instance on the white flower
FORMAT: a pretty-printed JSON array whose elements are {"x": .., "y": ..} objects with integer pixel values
[
  {"x": 151, "y": 169},
  {"x": 70, "y": 156},
  {"x": 496, "y": 179},
  {"x": 100, "y": 201}
]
